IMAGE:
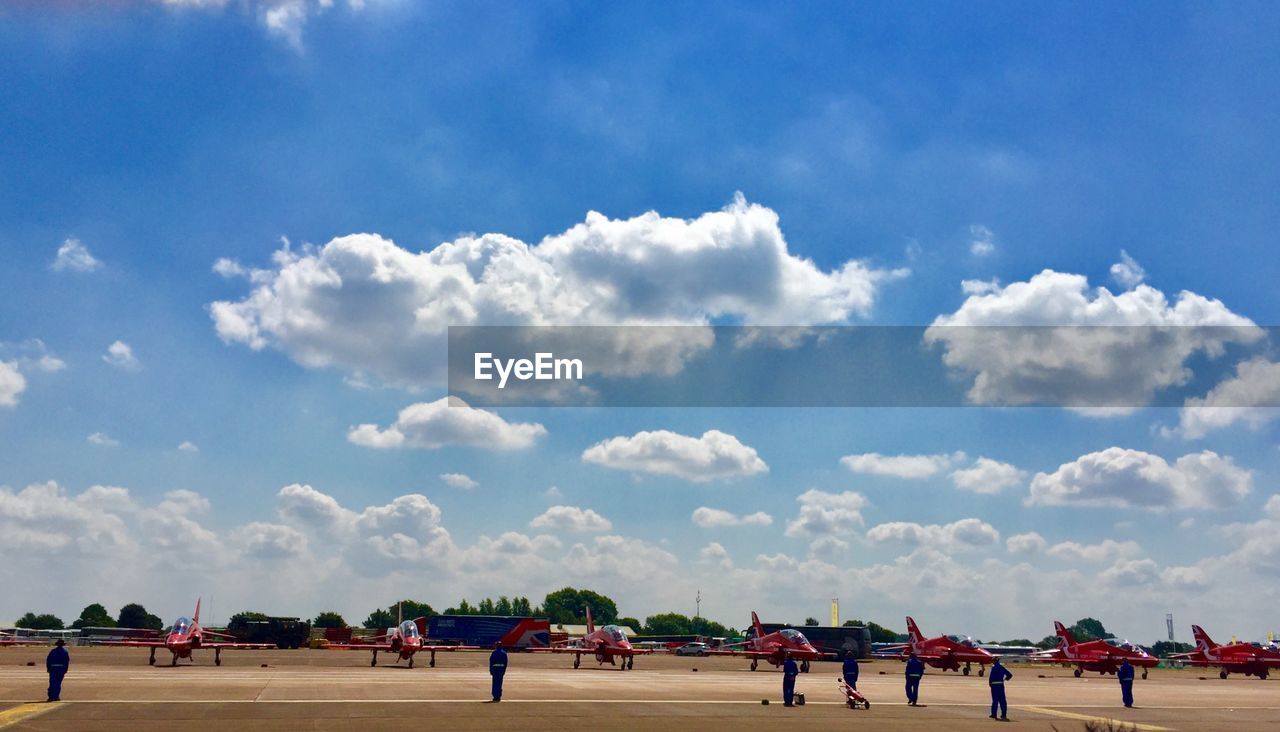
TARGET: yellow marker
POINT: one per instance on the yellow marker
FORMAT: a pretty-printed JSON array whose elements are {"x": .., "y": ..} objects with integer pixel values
[
  {"x": 1118, "y": 723},
  {"x": 23, "y": 712}
]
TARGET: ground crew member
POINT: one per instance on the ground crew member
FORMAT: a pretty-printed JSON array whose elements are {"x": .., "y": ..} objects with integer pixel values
[
  {"x": 57, "y": 663},
  {"x": 999, "y": 674},
  {"x": 789, "y": 673},
  {"x": 915, "y": 670},
  {"x": 850, "y": 670},
  {"x": 1125, "y": 674},
  {"x": 497, "y": 667}
]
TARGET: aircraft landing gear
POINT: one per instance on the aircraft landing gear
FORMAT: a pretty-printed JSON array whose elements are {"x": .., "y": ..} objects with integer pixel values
[
  {"x": 1079, "y": 673},
  {"x": 754, "y": 663},
  {"x": 965, "y": 670},
  {"x": 410, "y": 661},
  {"x": 1262, "y": 675},
  {"x": 1222, "y": 674},
  {"x": 982, "y": 671},
  {"x": 577, "y": 660},
  {"x": 152, "y": 660},
  {"x": 1144, "y": 673},
  {"x": 374, "y": 662},
  {"x": 804, "y": 667},
  {"x": 631, "y": 663},
  {"x": 433, "y": 660},
  {"x": 174, "y": 662},
  {"x": 217, "y": 657}
]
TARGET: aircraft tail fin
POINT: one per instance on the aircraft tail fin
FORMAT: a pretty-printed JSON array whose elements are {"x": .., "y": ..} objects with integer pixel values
[
  {"x": 1202, "y": 638},
  {"x": 913, "y": 631},
  {"x": 591, "y": 625},
  {"x": 755, "y": 623},
  {"x": 1064, "y": 635},
  {"x": 195, "y": 618}
]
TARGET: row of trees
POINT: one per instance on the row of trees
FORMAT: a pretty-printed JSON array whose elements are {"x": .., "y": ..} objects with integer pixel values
[{"x": 94, "y": 615}]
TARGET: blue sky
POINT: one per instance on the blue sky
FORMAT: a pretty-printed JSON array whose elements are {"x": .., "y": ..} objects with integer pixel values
[{"x": 164, "y": 137}]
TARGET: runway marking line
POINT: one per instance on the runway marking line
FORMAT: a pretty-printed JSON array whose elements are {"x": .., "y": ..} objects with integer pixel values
[
  {"x": 25, "y": 711},
  {"x": 1091, "y": 718}
]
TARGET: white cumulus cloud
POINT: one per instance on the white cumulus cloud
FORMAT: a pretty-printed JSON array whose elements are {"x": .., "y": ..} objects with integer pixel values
[
  {"x": 966, "y": 533},
  {"x": 461, "y": 481},
  {"x": 713, "y": 456},
  {"x": 120, "y": 355},
  {"x": 365, "y": 305},
  {"x": 102, "y": 439},
  {"x": 1105, "y": 551},
  {"x": 900, "y": 466},
  {"x": 1087, "y": 365},
  {"x": 1237, "y": 399},
  {"x": 1127, "y": 271},
  {"x": 982, "y": 241},
  {"x": 12, "y": 383},
  {"x": 447, "y": 421},
  {"x": 1028, "y": 543},
  {"x": 710, "y": 518},
  {"x": 74, "y": 256},
  {"x": 827, "y": 514},
  {"x": 570, "y": 518},
  {"x": 1119, "y": 477},
  {"x": 987, "y": 476}
]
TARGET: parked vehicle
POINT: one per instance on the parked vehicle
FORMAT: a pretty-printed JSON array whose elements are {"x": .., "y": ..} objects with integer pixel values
[{"x": 692, "y": 649}]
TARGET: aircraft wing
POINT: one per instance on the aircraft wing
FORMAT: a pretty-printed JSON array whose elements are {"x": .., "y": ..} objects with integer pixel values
[
  {"x": 742, "y": 652},
  {"x": 451, "y": 648},
  {"x": 359, "y": 646},
  {"x": 237, "y": 646},
  {"x": 134, "y": 643},
  {"x": 1053, "y": 654}
]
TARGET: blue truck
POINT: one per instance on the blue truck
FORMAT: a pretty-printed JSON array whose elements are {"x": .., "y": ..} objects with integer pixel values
[{"x": 487, "y": 630}]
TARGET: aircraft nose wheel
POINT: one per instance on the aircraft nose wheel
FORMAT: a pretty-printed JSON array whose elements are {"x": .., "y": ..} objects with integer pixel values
[
  {"x": 410, "y": 661},
  {"x": 982, "y": 672},
  {"x": 631, "y": 663},
  {"x": 1222, "y": 674},
  {"x": 754, "y": 663},
  {"x": 1144, "y": 673},
  {"x": 1078, "y": 673},
  {"x": 577, "y": 661},
  {"x": 804, "y": 667},
  {"x": 965, "y": 670}
]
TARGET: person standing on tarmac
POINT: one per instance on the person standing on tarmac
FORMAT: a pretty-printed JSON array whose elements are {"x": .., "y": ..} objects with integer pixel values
[
  {"x": 1125, "y": 675},
  {"x": 789, "y": 672},
  {"x": 999, "y": 674},
  {"x": 915, "y": 670},
  {"x": 850, "y": 669},
  {"x": 57, "y": 663},
  {"x": 497, "y": 668}
]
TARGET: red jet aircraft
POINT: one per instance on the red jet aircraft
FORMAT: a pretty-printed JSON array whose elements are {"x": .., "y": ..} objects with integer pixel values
[
  {"x": 404, "y": 640},
  {"x": 12, "y": 640},
  {"x": 185, "y": 636},
  {"x": 1103, "y": 656},
  {"x": 773, "y": 647},
  {"x": 1234, "y": 658},
  {"x": 946, "y": 652},
  {"x": 606, "y": 644}
]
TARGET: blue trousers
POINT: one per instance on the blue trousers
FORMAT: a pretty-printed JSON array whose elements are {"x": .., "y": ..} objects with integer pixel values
[
  {"x": 913, "y": 688},
  {"x": 55, "y": 684},
  {"x": 497, "y": 685},
  {"x": 1126, "y": 692},
  {"x": 788, "y": 689},
  {"x": 998, "y": 700}
]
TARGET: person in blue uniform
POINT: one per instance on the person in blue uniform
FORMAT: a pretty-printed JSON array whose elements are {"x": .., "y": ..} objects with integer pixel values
[
  {"x": 999, "y": 674},
  {"x": 57, "y": 663},
  {"x": 789, "y": 672},
  {"x": 1125, "y": 675},
  {"x": 497, "y": 668},
  {"x": 850, "y": 669},
  {"x": 915, "y": 670}
]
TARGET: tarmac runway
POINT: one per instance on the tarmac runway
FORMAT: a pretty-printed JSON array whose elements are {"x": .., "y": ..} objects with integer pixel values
[{"x": 115, "y": 689}]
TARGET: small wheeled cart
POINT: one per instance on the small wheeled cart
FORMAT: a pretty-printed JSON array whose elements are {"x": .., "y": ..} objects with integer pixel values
[{"x": 853, "y": 697}]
